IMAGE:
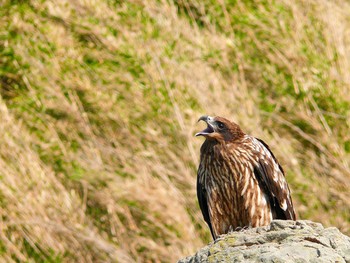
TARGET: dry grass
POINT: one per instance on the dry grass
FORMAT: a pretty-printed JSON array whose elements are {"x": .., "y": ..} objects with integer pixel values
[{"x": 99, "y": 102}]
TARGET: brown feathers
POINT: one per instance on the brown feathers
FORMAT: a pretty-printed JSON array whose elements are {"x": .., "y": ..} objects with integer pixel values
[{"x": 239, "y": 183}]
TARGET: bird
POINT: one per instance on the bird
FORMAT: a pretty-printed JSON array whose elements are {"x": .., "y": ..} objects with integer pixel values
[{"x": 240, "y": 183}]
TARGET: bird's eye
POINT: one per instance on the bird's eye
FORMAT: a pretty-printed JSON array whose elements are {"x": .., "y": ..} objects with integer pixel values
[{"x": 221, "y": 125}]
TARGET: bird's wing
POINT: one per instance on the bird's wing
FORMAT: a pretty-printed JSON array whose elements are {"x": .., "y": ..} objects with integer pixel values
[
  {"x": 270, "y": 176},
  {"x": 202, "y": 200}
]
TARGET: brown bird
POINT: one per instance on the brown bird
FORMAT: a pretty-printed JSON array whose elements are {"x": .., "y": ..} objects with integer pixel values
[{"x": 239, "y": 182}]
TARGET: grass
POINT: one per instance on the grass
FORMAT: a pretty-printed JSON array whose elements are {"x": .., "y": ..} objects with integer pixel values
[{"x": 99, "y": 102}]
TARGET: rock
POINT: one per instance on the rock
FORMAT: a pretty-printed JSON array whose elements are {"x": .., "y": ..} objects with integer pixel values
[{"x": 281, "y": 241}]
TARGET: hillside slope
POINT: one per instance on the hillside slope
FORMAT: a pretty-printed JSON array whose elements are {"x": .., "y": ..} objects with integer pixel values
[{"x": 98, "y": 108}]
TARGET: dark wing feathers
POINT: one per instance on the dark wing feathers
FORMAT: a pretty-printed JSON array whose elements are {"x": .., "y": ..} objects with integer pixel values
[
  {"x": 272, "y": 191},
  {"x": 277, "y": 190},
  {"x": 273, "y": 156},
  {"x": 203, "y": 203}
]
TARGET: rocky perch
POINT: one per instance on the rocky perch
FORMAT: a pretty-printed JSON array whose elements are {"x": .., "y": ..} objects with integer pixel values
[{"x": 281, "y": 241}]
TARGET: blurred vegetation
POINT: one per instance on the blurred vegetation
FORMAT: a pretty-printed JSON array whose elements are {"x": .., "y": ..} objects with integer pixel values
[{"x": 98, "y": 107}]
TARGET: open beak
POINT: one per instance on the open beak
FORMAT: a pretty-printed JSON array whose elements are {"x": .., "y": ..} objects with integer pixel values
[{"x": 210, "y": 129}]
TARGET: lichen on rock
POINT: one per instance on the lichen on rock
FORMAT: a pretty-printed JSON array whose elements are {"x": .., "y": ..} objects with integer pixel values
[{"x": 281, "y": 241}]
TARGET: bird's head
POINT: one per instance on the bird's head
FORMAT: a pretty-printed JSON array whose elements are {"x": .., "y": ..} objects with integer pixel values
[{"x": 220, "y": 129}]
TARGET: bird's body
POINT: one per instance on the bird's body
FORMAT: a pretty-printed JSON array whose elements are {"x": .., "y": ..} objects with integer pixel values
[{"x": 240, "y": 183}]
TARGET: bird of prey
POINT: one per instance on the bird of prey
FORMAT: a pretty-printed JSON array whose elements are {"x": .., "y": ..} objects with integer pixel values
[{"x": 240, "y": 183}]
